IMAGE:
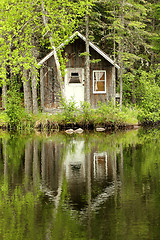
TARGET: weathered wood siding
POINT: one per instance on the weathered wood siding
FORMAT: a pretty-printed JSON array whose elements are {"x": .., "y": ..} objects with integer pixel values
[
  {"x": 72, "y": 53},
  {"x": 51, "y": 85}
]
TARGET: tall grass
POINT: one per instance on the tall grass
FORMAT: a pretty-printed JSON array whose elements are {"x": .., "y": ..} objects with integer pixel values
[
  {"x": 87, "y": 117},
  {"x": 105, "y": 115}
]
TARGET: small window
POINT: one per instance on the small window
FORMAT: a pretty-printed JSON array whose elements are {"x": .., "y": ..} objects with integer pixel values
[
  {"x": 76, "y": 74},
  {"x": 100, "y": 165},
  {"x": 99, "y": 81},
  {"x": 74, "y": 78}
]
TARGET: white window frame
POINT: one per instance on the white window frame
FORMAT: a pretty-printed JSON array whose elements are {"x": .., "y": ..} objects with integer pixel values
[
  {"x": 68, "y": 72},
  {"x": 95, "y": 162},
  {"x": 100, "y": 92}
]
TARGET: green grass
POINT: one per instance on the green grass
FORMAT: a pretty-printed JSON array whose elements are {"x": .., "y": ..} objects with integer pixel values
[
  {"x": 104, "y": 115},
  {"x": 85, "y": 117}
]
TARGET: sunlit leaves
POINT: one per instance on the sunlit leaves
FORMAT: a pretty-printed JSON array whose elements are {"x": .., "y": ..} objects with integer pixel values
[{"x": 22, "y": 28}]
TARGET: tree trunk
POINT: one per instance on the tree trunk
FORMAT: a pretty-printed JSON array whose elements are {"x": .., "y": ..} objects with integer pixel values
[
  {"x": 5, "y": 158},
  {"x": 121, "y": 50},
  {"x": 133, "y": 99},
  {"x": 121, "y": 86},
  {"x": 42, "y": 88},
  {"x": 114, "y": 68},
  {"x": 87, "y": 63},
  {"x": 45, "y": 22},
  {"x": 43, "y": 162},
  {"x": 34, "y": 90},
  {"x": 113, "y": 84},
  {"x": 36, "y": 170},
  {"x": 4, "y": 95},
  {"x": 28, "y": 162},
  {"x": 27, "y": 91},
  {"x": 34, "y": 78}
]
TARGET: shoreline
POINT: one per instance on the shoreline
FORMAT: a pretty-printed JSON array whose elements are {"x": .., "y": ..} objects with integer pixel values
[
  {"x": 101, "y": 119},
  {"x": 72, "y": 127}
]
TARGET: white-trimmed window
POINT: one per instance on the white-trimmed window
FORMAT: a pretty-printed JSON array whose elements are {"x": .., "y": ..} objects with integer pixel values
[
  {"x": 99, "y": 81},
  {"x": 75, "y": 78},
  {"x": 100, "y": 166}
]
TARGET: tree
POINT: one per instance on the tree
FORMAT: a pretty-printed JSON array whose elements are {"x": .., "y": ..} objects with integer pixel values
[
  {"x": 27, "y": 26},
  {"x": 27, "y": 90},
  {"x": 156, "y": 33},
  {"x": 87, "y": 63}
]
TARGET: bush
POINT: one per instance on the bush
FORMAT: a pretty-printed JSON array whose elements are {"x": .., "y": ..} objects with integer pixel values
[
  {"x": 86, "y": 114},
  {"x": 14, "y": 109},
  {"x": 148, "y": 95},
  {"x": 69, "y": 111}
]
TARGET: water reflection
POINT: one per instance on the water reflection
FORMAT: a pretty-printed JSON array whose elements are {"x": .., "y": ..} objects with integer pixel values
[
  {"x": 82, "y": 167},
  {"x": 91, "y": 186}
]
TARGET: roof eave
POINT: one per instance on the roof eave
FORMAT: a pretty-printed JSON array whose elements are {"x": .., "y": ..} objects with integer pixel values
[
  {"x": 45, "y": 58},
  {"x": 98, "y": 50},
  {"x": 84, "y": 39}
]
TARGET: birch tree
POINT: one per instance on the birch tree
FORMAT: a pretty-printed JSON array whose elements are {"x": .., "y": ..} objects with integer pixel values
[
  {"x": 87, "y": 64},
  {"x": 44, "y": 21}
]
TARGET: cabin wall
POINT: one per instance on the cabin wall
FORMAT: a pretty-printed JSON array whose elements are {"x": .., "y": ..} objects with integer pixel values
[
  {"x": 51, "y": 86},
  {"x": 72, "y": 53},
  {"x": 102, "y": 65},
  {"x": 74, "y": 60}
]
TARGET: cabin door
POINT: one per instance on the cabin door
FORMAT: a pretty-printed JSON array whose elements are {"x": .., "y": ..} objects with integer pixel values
[{"x": 74, "y": 85}]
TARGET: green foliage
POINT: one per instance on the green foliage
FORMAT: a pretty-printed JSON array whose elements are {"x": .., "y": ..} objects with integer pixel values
[
  {"x": 17, "y": 211},
  {"x": 112, "y": 115},
  {"x": 128, "y": 87},
  {"x": 148, "y": 95},
  {"x": 69, "y": 110},
  {"x": 95, "y": 60},
  {"x": 129, "y": 31},
  {"x": 4, "y": 120},
  {"x": 84, "y": 54},
  {"x": 14, "y": 107},
  {"x": 15, "y": 111},
  {"x": 24, "y": 33},
  {"x": 86, "y": 113},
  {"x": 126, "y": 30},
  {"x": 85, "y": 116}
]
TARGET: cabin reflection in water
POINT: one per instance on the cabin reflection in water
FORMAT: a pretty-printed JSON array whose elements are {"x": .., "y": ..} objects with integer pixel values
[
  {"x": 100, "y": 165},
  {"x": 87, "y": 173},
  {"x": 51, "y": 156},
  {"x": 74, "y": 162},
  {"x": 86, "y": 170}
]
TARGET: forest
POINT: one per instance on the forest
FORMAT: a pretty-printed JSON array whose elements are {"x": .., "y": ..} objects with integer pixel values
[{"x": 127, "y": 30}]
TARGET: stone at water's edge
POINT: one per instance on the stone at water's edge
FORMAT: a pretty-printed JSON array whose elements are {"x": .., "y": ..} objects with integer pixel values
[
  {"x": 79, "y": 130},
  {"x": 70, "y": 131},
  {"x": 100, "y": 129}
]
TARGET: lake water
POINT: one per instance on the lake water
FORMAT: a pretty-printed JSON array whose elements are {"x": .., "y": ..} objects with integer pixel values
[{"x": 89, "y": 186}]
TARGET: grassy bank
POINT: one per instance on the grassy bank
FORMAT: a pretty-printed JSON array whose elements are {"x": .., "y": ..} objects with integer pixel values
[
  {"x": 87, "y": 118},
  {"x": 105, "y": 116}
]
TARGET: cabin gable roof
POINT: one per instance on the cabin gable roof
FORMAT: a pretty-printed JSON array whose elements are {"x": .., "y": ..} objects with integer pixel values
[{"x": 98, "y": 50}]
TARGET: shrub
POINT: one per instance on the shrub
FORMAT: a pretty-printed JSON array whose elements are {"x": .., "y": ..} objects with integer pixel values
[
  {"x": 148, "y": 95},
  {"x": 14, "y": 109},
  {"x": 69, "y": 111},
  {"x": 86, "y": 114}
]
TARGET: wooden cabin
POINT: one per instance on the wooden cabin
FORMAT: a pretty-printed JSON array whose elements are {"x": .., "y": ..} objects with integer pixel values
[{"x": 103, "y": 73}]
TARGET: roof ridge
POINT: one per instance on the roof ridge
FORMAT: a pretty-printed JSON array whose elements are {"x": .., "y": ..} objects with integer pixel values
[{"x": 97, "y": 49}]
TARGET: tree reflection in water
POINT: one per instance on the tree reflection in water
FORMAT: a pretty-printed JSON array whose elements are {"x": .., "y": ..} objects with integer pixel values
[{"x": 90, "y": 186}]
